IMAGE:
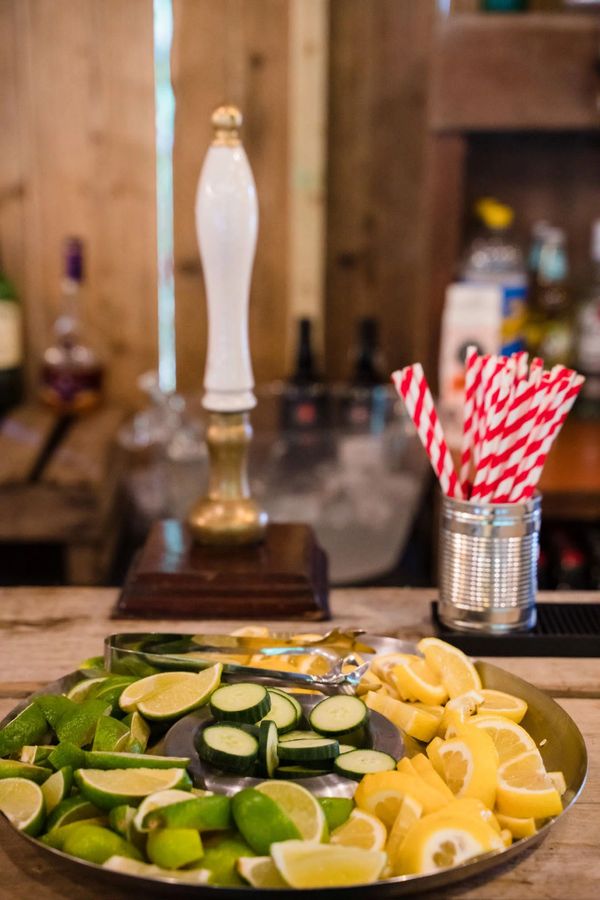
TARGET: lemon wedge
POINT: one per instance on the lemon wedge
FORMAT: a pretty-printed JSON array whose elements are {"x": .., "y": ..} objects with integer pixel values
[
  {"x": 437, "y": 842},
  {"x": 525, "y": 789},
  {"x": 455, "y": 670},
  {"x": 509, "y": 738},
  {"x": 498, "y": 703},
  {"x": 421, "y": 724},
  {"x": 470, "y": 764},
  {"x": 414, "y": 679},
  {"x": 361, "y": 829}
]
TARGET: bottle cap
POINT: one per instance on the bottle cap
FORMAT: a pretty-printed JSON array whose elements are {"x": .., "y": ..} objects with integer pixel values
[
  {"x": 494, "y": 214},
  {"x": 226, "y": 122},
  {"x": 596, "y": 240}
]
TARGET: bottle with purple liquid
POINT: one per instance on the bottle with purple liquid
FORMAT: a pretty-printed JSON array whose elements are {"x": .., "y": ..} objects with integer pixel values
[{"x": 71, "y": 373}]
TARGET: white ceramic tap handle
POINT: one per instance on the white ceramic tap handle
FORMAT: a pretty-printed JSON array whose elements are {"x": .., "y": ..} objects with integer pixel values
[{"x": 227, "y": 225}]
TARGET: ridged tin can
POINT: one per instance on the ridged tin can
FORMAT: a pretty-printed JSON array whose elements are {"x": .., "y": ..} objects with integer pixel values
[{"x": 488, "y": 565}]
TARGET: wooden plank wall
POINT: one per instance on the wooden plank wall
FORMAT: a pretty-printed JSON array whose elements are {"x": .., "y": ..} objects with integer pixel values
[{"x": 77, "y": 120}]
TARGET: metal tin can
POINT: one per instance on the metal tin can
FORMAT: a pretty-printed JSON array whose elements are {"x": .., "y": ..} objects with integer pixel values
[{"x": 488, "y": 565}]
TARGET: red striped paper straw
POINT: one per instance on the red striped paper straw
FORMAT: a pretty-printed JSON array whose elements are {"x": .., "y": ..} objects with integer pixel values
[
  {"x": 516, "y": 424},
  {"x": 489, "y": 366},
  {"x": 501, "y": 388},
  {"x": 519, "y": 425},
  {"x": 473, "y": 365},
  {"x": 412, "y": 386}
]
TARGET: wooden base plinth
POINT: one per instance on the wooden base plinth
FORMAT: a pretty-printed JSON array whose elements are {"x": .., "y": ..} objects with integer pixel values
[{"x": 285, "y": 576}]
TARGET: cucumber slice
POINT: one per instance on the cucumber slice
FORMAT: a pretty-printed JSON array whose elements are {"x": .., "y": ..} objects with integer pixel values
[
  {"x": 299, "y": 772},
  {"x": 357, "y": 763},
  {"x": 293, "y": 700},
  {"x": 242, "y": 702},
  {"x": 267, "y": 747},
  {"x": 228, "y": 748},
  {"x": 298, "y": 736},
  {"x": 340, "y": 714},
  {"x": 346, "y": 748},
  {"x": 308, "y": 751},
  {"x": 283, "y": 712}
]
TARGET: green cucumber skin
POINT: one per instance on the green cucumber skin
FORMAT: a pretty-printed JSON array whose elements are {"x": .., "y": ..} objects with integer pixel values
[
  {"x": 295, "y": 752},
  {"x": 316, "y": 716},
  {"x": 223, "y": 759},
  {"x": 292, "y": 772},
  {"x": 295, "y": 703},
  {"x": 293, "y": 717},
  {"x": 248, "y": 715},
  {"x": 268, "y": 757}
]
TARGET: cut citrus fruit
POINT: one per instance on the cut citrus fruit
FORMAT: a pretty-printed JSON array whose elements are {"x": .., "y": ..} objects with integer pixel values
[
  {"x": 29, "y": 727},
  {"x": 509, "y": 738},
  {"x": 307, "y": 864},
  {"x": 261, "y": 820},
  {"x": 410, "y": 811},
  {"x": 418, "y": 723},
  {"x": 104, "y": 759},
  {"x": 433, "y": 754},
  {"x": 83, "y": 689},
  {"x": 22, "y": 802},
  {"x": 470, "y": 764},
  {"x": 470, "y": 806},
  {"x": 424, "y": 767},
  {"x": 57, "y": 787},
  {"x": 209, "y": 813},
  {"x": 382, "y": 793},
  {"x": 139, "y": 733},
  {"x": 519, "y": 828},
  {"x": 382, "y": 665},
  {"x": 303, "y": 809},
  {"x": 173, "y": 848},
  {"x": 336, "y": 809},
  {"x": 361, "y": 830},
  {"x": 191, "y": 690},
  {"x": 455, "y": 670},
  {"x": 438, "y": 842},
  {"x": 111, "y": 787},
  {"x": 97, "y": 844},
  {"x": 497, "y": 703},
  {"x": 260, "y": 872},
  {"x": 145, "y": 688},
  {"x": 71, "y": 809},
  {"x": 145, "y": 870},
  {"x": 156, "y": 801},
  {"x": 558, "y": 780},
  {"x": 525, "y": 789},
  {"x": 459, "y": 710},
  {"x": 14, "y": 768},
  {"x": 414, "y": 679}
]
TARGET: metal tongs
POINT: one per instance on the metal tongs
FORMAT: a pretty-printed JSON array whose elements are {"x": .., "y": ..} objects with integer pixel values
[{"x": 147, "y": 654}]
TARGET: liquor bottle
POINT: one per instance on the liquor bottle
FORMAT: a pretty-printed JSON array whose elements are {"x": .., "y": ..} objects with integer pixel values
[
  {"x": 587, "y": 353},
  {"x": 550, "y": 331},
  {"x": 365, "y": 401},
  {"x": 71, "y": 373},
  {"x": 304, "y": 404},
  {"x": 11, "y": 345}
]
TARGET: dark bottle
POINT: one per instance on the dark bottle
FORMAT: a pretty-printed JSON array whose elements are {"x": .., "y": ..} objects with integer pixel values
[
  {"x": 72, "y": 373},
  {"x": 304, "y": 406},
  {"x": 365, "y": 400},
  {"x": 11, "y": 346},
  {"x": 550, "y": 328}
]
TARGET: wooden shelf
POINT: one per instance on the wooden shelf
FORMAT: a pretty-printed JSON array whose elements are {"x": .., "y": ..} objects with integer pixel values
[
  {"x": 570, "y": 484},
  {"x": 532, "y": 71}
]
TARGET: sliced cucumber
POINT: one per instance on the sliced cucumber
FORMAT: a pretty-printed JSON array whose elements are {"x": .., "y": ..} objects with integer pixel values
[
  {"x": 308, "y": 751},
  {"x": 267, "y": 748},
  {"x": 356, "y": 763},
  {"x": 242, "y": 702},
  {"x": 299, "y": 772},
  {"x": 290, "y": 697},
  {"x": 283, "y": 712},
  {"x": 346, "y": 748},
  {"x": 297, "y": 736},
  {"x": 228, "y": 748},
  {"x": 340, "y": 714}
]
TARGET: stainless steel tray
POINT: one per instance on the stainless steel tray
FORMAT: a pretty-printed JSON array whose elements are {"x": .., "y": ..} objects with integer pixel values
[{"x": 561, "y": 745}]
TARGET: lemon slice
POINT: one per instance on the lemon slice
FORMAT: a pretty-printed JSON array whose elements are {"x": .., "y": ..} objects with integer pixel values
[
  {"x": 410, "y": 811},
  {"x": 111, "y": 787},
  {"x": 470, "y": 764},
  {"x": 424, "y": 767},
  {"x": 497, "y": 703},
  {"x": 22, "y": 802},
  {"x": 414, "y": 679},
  {"x": 459, "y": 710},
  {"x": 437, "y": 842},
  {"x": 455, "y": 670},
  {"x": 519, "y": 828},
  {"x": 361, "y": 829},
  {"x": 421, "y": 724},
  {"x": 382, "y": 794},
  {"x": 525, "y": 789},
  {"x": 509, "y": 738},
  {"x": 299, "y": 805},
  {"x": 307, "y": 864},
  {"x": 260, "y": 872}
]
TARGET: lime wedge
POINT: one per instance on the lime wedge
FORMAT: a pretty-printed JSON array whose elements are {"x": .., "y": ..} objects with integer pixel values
[
  {"x": 101, "y": 759},
  {"x": 84, "y": 689},
  {"x": 116, "y": 786},
  {"x": 173, "y": 848},
  {"x": 212, "y": 813},
  {"x": 69, "y": 810},
  {"x": 110, "y": 734},
  {"x": 57, "y": 836},
  {"x": 120, "y": 819},
  {"x": 36, "y": 754},
  {"x": 67, "y": 754},
  {"x": 29, "y": 727},
  {"x": 260, "y": 872},
  {"x": 57, "y": 787},
  {"x": 78, "y": 725},
  {"x": 303, "y": 809},
  {"x": 336, "y": 809},
  {"x": 13, "y": 768},
  {"x": 22, "y": 802},
  {"x": 183, "y": 692},
  {"x": 139, "y": 733},
  {"x": 157, "y": 801},
  {"x": 112, "y": 688},
  {"x": 97, "y": 844},
  {"x": 145, "y": 687},
  {"x": 146, "y": 870},
  {"x": 221, "y": 854},
  {"x": 54, "y": 707},
  {"x": 91, "y": 664},
  {"x": 261, "y": 821}
]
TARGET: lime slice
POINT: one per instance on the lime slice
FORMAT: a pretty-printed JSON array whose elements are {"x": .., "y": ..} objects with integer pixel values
[
  {"x": 67, "y": 754},
  {"x": 303, "y": 809},
  {"x": 116, "y": 786},
  {"x": 191, "y": 690},
  {"x": 260, "y": 872},
  {"x": 336, "y": 809},
  {"x": 57, "y": 787},
  {"x": 36, "y": 754},
  {"x": 91, "y": 664},
  {"x": 146, "y": 870},
  {"x": 221, "y": 854},
  {"x": 145, "y": 687},
  {"x": 261, "y": 820},
  {"x": 69, "y": 810},
  {"x": 120, "y": 819},
  {"x": 57, "y": 836},
  {"x": 112, "y": 688},
  {"x": 211, "y": 813},
  {"x": 83, "y": 689},
  {"x": 29, "y": 727},
  {"x": 13, "y": 768},
  {"x": 157, "y": 801},
  {"x": 101, "y": 759},
  {"x": 110, "y": 734},
  {"x": 54, "y": 707},
  {"x": 139, "y": 733},
  {"x": 78, "y": 725},
  {"x": 22, "y": 802},
  {"x": 173, "y": 848},
  {"x": 308, "y": 864},
  {"x": 97, "y": 844}
]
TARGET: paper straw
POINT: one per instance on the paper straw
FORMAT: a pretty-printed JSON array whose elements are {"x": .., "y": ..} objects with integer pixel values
[
  {"x": 501, "y": 389},
  {"x": 473, "y": 365}
]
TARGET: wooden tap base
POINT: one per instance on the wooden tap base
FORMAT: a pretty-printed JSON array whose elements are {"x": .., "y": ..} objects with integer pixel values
[{"x": 285, "y": 576}]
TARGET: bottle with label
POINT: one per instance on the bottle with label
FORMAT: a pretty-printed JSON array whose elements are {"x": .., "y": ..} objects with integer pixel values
[
  {"x": 587, "y": 352},
  {"x": 71, "y": 374},
  {"x": 365, "y": 399},
  {"x": 550, "y": 330},
  {"x": 494, "y": 258},
  {"x": 304, "y": 403},
  {"x": 11, "y": 346}
]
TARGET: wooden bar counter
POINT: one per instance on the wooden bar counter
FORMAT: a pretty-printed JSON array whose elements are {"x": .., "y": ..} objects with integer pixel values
[{"x": 46, "y": 632}]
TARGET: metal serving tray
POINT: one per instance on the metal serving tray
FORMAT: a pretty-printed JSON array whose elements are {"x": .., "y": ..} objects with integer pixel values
[{"x": 558, "y": 737}]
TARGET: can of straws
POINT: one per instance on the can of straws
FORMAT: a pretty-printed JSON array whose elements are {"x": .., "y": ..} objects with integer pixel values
[{"x": 488, "y": 564}]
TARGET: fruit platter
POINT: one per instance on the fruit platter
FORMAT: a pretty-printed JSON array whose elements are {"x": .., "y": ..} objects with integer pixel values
[{"x": 255, "y": 764}]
